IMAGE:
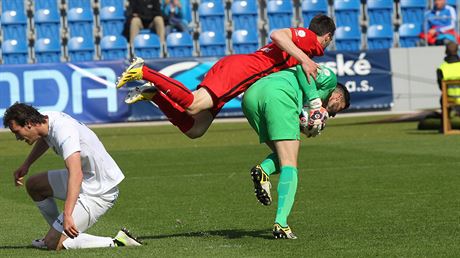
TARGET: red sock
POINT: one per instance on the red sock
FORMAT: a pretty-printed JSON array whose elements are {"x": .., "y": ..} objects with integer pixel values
[
  {"x": 174, "y": 89},
  {"x": 176, "y": 114}
]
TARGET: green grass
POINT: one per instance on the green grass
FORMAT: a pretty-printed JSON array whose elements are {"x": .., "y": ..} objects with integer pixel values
[{"x": 365, "y": 190}]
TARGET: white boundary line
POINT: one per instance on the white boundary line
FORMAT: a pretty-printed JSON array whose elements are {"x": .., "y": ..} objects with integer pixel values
[{"x": 240, "y": 119}]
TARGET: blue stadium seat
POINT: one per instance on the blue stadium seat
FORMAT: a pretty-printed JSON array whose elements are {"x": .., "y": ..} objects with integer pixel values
[
  {"x": 47, "y": 23},
  {"x": 347, "y": 38},
  {"x": 379, "y": 37},
  {"x": 244, "y": 42},
  {"x": 46, "y": 4},
  {"x": 12, "y": 5},
  {"x": 80, "y": 49},
  {"x": 279, "y": 14},
  {"x": 413, "y": 11},
  {"x": 244, "y": 15},
  {"x": 212, "y": 16},
  {"x": 380, "y": 12},
  {"x": 179, "y": 44},
  {"x": 409, "y": 34},
  {"x": 48, "y": 50},
  {"x": 452, "y": 3},
  {"x": 14, "y": 25},
  {"x": 147, "y": 46},
  {"x": 347, "y": 12},
  {"x": 117, "y": 3},
  {"x": 14, "y": 52},
  {"x": 114, "y": 47},
  {"x": 187, "y": 10},
  {"x": 212, "y": 44},
  {"x": 112, "y": 20},
  {"x": 80, "y": 22},
  {"x": 310, "y": 8},
  {"x": 85, "y": 4},
  {"x": 212, "y": 1}
]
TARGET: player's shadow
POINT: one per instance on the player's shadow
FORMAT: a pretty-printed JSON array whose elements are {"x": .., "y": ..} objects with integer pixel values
[
  {"x": 16, "y": 247},
  {"x": 225, "y": 233}
]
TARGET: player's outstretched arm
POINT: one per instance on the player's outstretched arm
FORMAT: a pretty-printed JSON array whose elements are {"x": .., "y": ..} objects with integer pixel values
[
  {"x": 283, "y": 39},
  {"x": 37, "y": 151}
]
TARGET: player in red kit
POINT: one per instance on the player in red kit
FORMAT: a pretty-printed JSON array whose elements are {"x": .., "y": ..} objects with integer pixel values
[{"x": 193, "y": 112}]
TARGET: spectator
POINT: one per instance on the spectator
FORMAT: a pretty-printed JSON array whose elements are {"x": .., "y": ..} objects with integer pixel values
[
  {"x": 440, "y": 23},
  {"x": 173, "y": 16},
  {"x": 144, "y": 14},
  {"x": 450, "y": 69}
]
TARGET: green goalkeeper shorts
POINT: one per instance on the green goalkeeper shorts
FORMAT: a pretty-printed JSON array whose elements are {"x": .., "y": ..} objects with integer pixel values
[{"x": 271, "y": 107}]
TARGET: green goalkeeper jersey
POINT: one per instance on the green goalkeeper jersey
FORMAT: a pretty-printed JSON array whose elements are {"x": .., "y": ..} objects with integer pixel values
[
  {"x": 273, "y": 104},
  {"x": 325, "y": 83}
]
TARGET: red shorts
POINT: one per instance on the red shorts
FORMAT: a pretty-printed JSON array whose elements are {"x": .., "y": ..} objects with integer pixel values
[{"x": 231, "y": 76}]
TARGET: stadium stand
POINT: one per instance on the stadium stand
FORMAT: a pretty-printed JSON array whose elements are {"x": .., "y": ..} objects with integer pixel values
[
  {"x": 48, "y": 50},
  {"x": 147, "y": 45},
  {"x": 453, "y": 3},
  {"x": 379, "y": 37},
  {"x": 212, "y": 17},
  {"x": 279, "y": 13},
  {"x": 380, "y": 12},
  {"x": 347, "y": 13},
  {"x": 80, "y": 49},
  {"x": 347, "y": 38},
  {"x": 187, "y": 10},
  {"x": 310, "y": 8},
  {"x": 47, "y": 4},
  {"x": 14, "y": 52},
  {"x": 179, "y": 44},
  {"x": 14, "y": 25},
  {"x": 244, "y": 42},
  {"x": 12, "y": 5},
  {"x": 112, "y": 19},
  {"x": 244, "y": 15},
  {"x": 114, "y": 47},
  {"x": 118, "y": 4},
  {"x": 212, "y": 44},
  {"x": 85, "y": 4},
  {"x": 409, "y": 34},
  {"x": 25, "y": 19},
  {"x": 412, "y": 11},
  {"x": 80, "y": 22},
  {"x": 47, "y": 23}
]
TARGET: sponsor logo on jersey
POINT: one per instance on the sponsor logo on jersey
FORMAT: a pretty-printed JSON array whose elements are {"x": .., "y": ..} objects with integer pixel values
[
  {"x": 301, "y": 33},
  {"x": 266, "y": 49}
]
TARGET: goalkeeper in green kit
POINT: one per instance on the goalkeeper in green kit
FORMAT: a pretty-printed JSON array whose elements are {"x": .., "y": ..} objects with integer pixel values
[{"x": 279, "y": 107}]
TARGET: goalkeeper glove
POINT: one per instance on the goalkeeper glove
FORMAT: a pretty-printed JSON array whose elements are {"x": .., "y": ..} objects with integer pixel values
[{"x": 313, "y": 118}]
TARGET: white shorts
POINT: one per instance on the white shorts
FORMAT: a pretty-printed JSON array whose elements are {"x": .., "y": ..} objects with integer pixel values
[{"x": 88, "y": 208}]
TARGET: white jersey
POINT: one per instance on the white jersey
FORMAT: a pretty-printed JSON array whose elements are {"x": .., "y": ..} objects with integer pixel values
[{"x": 67, "y": 136}]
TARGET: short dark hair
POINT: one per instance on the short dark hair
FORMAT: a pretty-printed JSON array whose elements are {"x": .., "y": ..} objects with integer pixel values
[
  {"x": 22, "y": 114},
  {"x": 322, "y": 24},
  {"x": 345, "y": 93},
  {"x": 451, "y": 49}
]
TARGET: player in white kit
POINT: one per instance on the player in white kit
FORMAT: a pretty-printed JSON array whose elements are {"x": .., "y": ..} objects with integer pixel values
[{"x": 88, "y": 185}]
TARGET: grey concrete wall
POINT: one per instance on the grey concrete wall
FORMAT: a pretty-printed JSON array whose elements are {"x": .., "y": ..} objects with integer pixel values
[{"x": 414, "y": 77}]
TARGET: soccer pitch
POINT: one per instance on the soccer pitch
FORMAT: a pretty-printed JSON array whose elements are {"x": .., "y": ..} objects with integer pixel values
[{"x": 365, "y": 189}]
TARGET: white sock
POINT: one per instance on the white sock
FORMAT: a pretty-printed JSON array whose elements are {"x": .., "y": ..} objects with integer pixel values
[
  {"x": 84, "y": 240},
  {"x": 48, "y": 209}
]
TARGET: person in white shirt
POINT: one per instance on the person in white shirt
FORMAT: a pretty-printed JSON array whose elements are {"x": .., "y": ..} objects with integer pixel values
[{"x": 88, "y": 185}]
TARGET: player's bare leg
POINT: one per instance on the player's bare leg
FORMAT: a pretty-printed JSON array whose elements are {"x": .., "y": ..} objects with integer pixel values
[
  {"x": 203, "y": 121},
  {"x": 287, "y": 151},
  {"x": 54, "y": 239},
  {"x": 38, "y": 187},
  {"x": 202, "y": 101}
]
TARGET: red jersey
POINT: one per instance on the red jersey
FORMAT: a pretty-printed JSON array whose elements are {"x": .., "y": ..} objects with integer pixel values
[{"x": 233, "y": 74}]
